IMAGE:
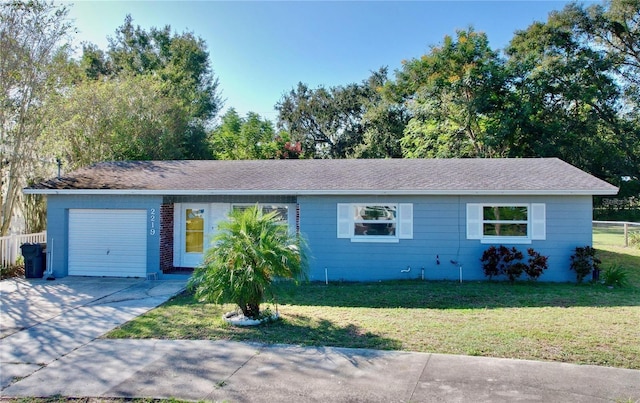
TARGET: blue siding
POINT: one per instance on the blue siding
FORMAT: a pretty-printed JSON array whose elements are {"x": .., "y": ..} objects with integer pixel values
[
  {"x": 58, "y": 224},
  {"x": 439, "y": 235},
  {"x": 439, "y": 229}
]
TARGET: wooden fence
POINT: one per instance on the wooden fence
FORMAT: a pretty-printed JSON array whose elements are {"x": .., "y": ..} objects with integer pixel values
[{"x": 10, "y": 246}]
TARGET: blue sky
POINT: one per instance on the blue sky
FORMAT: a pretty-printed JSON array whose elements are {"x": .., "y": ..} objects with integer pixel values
[{"x": 261, "y": 50}]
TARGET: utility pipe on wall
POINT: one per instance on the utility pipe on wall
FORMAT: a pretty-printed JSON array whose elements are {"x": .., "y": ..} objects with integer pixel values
[
  {"x": 48, "y": 274},
  {"x": 455, "y": 262}
]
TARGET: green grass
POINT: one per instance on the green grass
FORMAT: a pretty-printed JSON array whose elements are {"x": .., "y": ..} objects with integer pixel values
[
  {"x": 585, "y": 324},
  {"x": 611, "y": 235}
]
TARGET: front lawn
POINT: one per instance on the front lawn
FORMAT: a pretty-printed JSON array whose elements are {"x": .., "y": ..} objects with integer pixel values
[
  {"x": 585, "y": 324},
  {"x": 612, "y": 234}
]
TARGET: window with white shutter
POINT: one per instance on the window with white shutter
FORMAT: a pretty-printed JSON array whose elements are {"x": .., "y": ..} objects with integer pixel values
[
  {"x": 506, "y": 223},
  {"x": 375, "y": 222}
]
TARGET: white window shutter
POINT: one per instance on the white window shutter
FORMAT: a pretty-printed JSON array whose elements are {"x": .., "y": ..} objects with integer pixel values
[
  {"x": 474, "y": 221},
  {"x": 405, "y": 221},
  {"x": 345, "y": 222},
  {"x": 538, "y": 221}
]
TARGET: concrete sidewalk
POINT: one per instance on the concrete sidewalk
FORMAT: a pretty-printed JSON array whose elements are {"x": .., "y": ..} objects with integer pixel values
[
  {"x": 42, "y": 321},
  {"x": 245, "y": 372}
]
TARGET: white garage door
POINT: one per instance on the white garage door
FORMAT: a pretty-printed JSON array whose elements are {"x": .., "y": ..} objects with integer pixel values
[{"x": 108, "y": 243}]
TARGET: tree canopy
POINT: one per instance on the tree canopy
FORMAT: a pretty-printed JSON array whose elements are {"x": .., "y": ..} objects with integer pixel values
[
  {"x": 567, "y": 87},
  {"x": 455, "y": 96},
  {"x": 150, "y": 95}
]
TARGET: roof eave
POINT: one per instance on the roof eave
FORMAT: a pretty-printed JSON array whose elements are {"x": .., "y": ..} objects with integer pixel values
[{"x": 326, "y": 192}]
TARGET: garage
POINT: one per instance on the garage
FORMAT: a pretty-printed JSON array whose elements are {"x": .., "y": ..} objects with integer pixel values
[{"x": 107, "y": 242}]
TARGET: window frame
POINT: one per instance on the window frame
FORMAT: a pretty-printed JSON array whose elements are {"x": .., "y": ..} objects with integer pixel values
[
  {"x": 536, "y": 223},
  {"x": 527, "y": 222},
  {"x": 403, "y": 220}
]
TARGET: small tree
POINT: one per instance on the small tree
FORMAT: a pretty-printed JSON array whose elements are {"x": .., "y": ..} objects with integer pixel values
[
  {"x": 249, "y": 252},
  {"x": 584, "y": 262}
]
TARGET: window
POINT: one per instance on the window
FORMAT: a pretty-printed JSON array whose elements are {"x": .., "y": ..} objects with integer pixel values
[
  {"x": 369, "y": 222},
  {"x": 507, "y": 223},
  {"x": 194, "y": 231},
  {"x": 374, "y": 220},
  {"x": 282, "y": 210}
]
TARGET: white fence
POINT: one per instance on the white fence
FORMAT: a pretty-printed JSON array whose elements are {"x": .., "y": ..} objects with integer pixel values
[{"x": 10, "y": 246}]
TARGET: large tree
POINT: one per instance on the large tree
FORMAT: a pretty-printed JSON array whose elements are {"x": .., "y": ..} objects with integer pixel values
[
  {"x": 568, "y": 101},
  {"x": 613, "y": 28},
  {"x": 124, "y": 118},
  {"x": 454, "y": 96},
  {"x": 150, "y": 95},
  {"x": 353, "y": 120},
  {"x": 181, "y": 60},
  {"x": 325, "y": 120},
  {"x": 31, "y": 44}
]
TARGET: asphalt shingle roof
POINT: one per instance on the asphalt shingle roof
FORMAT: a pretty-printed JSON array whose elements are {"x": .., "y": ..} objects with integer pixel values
[{"x": 412, "y": 176}]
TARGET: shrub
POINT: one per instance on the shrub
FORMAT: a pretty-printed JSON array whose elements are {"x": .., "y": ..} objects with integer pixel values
[
  {"x": 584, "y": 262},
  {"x": 490, "y": 261},
  {"x": 537, "y": 264},
  {"x": 501, "y": 260},
  {"x": 514, "y": 271},
  {"x": 615, "y": 276},
  {"x": 16, "y": 270}
]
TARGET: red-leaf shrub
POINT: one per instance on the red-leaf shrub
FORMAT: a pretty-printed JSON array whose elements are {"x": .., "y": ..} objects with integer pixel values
[{"x": 537, "y": 264}]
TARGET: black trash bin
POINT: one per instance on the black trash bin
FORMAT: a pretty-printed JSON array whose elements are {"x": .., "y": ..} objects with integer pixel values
[{"x": 34, "y": 260}]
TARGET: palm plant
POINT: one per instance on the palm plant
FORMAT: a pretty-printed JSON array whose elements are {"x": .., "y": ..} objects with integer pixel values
[{"x": 250, "y": 250}]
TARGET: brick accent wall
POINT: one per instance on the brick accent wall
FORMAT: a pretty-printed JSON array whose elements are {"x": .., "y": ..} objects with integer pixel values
[{"x": 166, "y": 237}]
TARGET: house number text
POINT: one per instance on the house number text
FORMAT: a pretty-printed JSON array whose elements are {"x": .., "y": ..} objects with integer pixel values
[{"x": 152, "y": 221}]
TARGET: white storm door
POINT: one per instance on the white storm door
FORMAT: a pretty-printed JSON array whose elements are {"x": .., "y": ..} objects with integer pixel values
[
  {"x": 195, "y": 222},
  {"x": 108, "y": 242}
]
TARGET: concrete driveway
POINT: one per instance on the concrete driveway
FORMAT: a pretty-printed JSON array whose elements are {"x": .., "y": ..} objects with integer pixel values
[{"x": 42, "y": 321}]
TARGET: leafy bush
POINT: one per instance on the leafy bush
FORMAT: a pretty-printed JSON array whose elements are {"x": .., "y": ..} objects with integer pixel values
[
  {"x": 501, "y": 260},
  {"x": 615, "y": 276},
  {"x": 490, "y": 262},
  {"x": 16, "y": 270},
  {"x": 514, "y": 271},
  {"x": 537, "y": 264},
  {"x": 584, "y": 262}
]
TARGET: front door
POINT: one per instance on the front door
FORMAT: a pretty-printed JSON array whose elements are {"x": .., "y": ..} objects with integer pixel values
[{"x": 194, "y": 233}]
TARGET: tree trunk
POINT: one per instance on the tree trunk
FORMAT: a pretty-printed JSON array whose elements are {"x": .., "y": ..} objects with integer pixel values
[{"x": 251, "y": 310}]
